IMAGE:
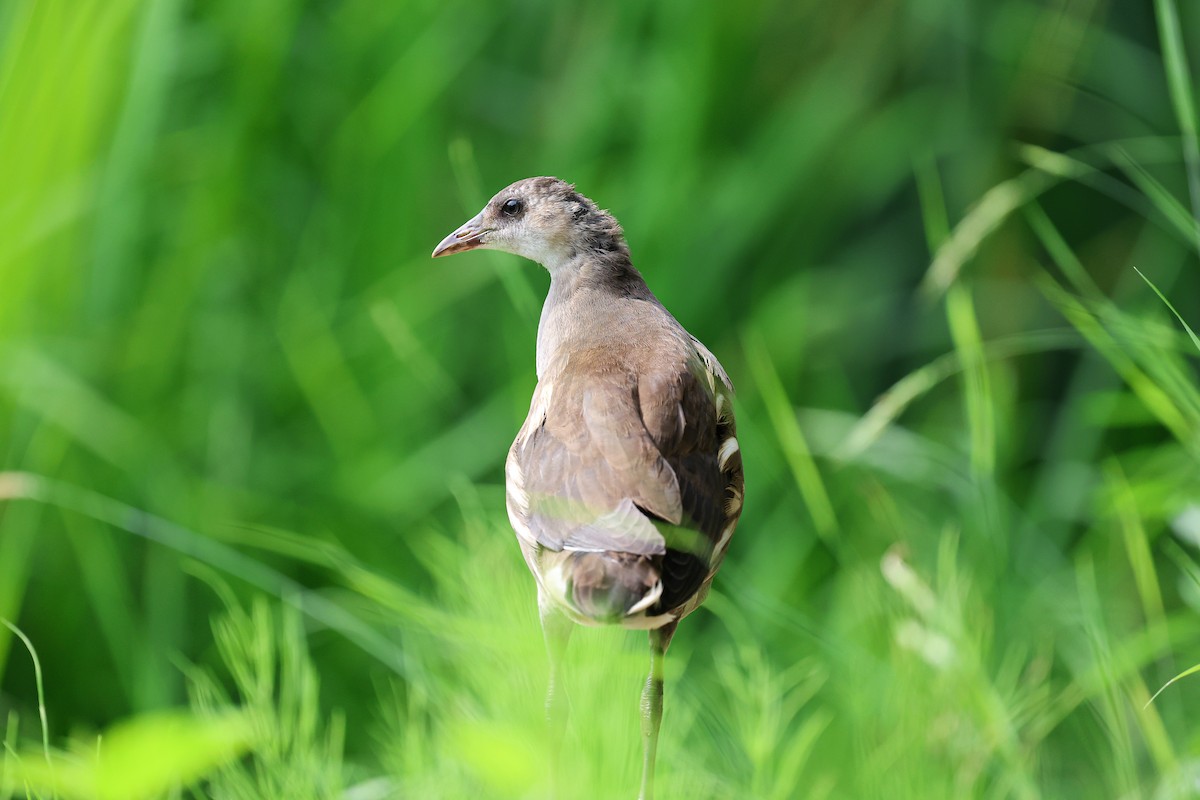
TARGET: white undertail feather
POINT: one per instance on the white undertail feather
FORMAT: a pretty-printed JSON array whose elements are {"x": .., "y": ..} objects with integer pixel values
[
  {"x": 721, "y": 402},
  {"x": 557, "y": 586},
  {"x": 728, "y": 448},
  {"x": 733, "y": 505},
  {"x": 650, "y": 599},
  {"x": 726, "y": 535}
]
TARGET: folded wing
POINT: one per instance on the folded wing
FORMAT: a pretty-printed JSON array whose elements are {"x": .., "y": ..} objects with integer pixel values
[{"x": 615, "y": 458}]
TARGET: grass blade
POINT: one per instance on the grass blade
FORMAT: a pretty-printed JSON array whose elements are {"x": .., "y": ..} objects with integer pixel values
[
  {"x": 980, "y": 405},
  {"x": 791, "y": 437},
  {"x": 1175, "y": 62},
  {"x": 41, "y": 689},
  {"x": 1191, "y": 333},
  {"x": 1187, "y": 672}
]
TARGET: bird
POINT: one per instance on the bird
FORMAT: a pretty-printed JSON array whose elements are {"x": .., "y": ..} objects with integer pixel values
[{"x": 625, "y": 484}]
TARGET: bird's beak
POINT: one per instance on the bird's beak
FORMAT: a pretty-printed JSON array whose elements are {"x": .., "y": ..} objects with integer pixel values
[{"x": 468, "y": 236}]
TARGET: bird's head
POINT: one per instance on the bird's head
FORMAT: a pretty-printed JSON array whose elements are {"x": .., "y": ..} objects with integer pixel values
[{"x": 542, "y": 219}]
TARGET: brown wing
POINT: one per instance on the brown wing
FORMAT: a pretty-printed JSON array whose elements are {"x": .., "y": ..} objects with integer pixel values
[
  {"x": 689, "y": 417},
  {"x": 583, "y": 471},
  {"x": 617, "y": 459}
]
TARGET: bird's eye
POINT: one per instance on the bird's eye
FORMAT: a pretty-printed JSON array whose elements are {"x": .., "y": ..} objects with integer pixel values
[{"x": 512, "y": 206}]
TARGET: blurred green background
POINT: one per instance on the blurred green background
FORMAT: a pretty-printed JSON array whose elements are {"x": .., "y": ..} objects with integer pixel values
[{"x": 252, "y": 438}]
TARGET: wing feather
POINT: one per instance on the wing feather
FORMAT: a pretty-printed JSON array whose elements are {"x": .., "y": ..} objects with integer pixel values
[{"x": 619, "y": 456}]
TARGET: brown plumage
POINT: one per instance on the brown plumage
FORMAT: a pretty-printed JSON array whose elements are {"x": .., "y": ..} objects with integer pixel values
[{"x": 624, "y": 485}]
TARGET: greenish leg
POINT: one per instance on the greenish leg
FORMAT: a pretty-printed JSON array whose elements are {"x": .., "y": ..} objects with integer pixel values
[
  {"x": 652, "y": 705},
  {"x": 556, "y": 629}
]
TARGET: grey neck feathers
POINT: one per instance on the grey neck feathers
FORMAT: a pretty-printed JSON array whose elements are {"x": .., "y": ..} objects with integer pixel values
[
  {"x": 582, "y": 298},
  {"x": 599, "y": 259},
  {"x": 598, "y": 232}
]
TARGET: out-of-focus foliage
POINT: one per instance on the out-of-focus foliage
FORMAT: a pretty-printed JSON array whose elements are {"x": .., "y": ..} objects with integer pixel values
[
  {"x": 139, "y": 758},
  {"x": 908, "y": 229}
]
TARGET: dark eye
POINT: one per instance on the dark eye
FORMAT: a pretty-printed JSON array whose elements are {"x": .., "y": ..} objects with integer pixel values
[{"x": 512, "y": 207}]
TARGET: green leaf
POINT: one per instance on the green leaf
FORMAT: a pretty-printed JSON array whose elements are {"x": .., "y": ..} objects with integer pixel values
[
  {"x": 1191, "y": 333},
  {"x": 141, "y": 757}
]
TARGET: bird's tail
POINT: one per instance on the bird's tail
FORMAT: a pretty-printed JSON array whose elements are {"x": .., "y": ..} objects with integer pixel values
[{"x": 608, "y": 586}]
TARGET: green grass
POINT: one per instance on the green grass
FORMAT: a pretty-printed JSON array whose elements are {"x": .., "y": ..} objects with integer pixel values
[{"x": 252, "y": 438}]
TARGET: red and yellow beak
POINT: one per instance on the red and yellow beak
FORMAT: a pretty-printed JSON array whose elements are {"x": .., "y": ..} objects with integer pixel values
[{"x": 468, "y": 236}]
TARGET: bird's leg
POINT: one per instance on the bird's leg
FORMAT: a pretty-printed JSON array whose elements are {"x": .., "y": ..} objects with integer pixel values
[
  {"x": 652, "y": 702},
  {"x": 556, "y": 629}
]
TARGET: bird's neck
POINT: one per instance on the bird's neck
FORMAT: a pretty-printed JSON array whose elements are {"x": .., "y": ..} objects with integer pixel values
[
  {"x": 595, "y": 243},
  {"x": 589, "y": 286}
]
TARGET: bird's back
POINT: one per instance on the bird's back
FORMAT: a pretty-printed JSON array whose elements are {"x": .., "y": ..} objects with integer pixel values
[{"x": 625, "y": 483}]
